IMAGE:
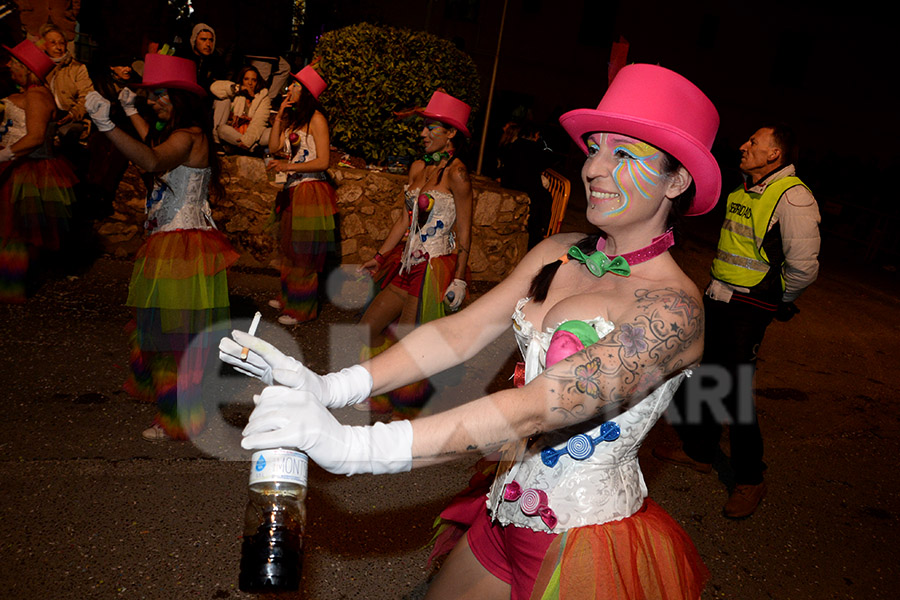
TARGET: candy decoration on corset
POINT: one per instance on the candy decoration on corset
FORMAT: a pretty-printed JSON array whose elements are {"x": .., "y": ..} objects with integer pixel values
[
  {"x": 426, "y": 203},
  {"x": 581, "y": 446}
]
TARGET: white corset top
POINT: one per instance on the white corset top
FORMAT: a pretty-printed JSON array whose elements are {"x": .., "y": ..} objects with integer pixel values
[
  {"x": 304, "y": 150},
  {"x": 434, "y": 238},
  {"x": 606, "y": 485},
  {"x": 179, "y": 200},
  {"x": 14, "y": 129}
]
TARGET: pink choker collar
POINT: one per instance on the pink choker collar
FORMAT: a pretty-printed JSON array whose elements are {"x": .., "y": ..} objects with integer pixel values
[{"x": 656, "y": 247}]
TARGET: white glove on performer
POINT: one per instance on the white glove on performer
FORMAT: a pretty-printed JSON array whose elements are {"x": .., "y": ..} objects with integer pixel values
[
  {"x": 455, "y": 294},
  {"x": 6, "y": 154},
  {"x": 127, "y": 99},
  {"x": 268, "y": 364},
  {"x": 296, "y": 419},
  {"x": 98, "y": 109}
]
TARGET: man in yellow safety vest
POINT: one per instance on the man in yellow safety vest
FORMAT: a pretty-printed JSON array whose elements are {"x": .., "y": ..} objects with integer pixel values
[{"x": 767, "y": 255}]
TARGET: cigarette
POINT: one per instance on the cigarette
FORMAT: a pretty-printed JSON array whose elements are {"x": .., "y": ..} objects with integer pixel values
[{"x": 252, "y": 331}]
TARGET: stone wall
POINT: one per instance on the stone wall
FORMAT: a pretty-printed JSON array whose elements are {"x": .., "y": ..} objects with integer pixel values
[{"x": 368, "y": 203}]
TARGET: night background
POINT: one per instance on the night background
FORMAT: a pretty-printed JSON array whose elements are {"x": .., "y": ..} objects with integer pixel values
[{"x": 821, "y": 68}]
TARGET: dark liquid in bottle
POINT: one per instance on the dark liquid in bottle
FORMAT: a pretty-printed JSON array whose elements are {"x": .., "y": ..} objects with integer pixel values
[{"x": 270, "y": 560}]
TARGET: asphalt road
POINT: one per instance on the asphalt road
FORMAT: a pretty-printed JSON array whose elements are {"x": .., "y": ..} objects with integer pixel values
[{"x": 90, "y": 510}]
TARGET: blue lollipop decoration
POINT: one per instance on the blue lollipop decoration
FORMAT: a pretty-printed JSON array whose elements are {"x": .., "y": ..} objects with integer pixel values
[{"x": 581, "y": 446}]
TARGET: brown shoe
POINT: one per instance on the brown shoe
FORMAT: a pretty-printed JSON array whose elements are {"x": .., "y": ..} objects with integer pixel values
[
  {"x": 677, "y": 456},
  {"x": 744, "y": 500}
]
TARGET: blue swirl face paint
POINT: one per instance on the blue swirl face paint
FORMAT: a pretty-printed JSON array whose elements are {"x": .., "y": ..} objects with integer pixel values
[{"x": 637, "y": 169}]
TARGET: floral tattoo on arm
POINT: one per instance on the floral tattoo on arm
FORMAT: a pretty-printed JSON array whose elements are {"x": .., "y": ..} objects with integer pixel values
[{"x": 632, "y": 360}]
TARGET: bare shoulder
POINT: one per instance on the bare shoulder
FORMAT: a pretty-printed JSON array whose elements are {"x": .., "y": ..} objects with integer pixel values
[
  {"x": 666, "y": 320},
  {"x": 459, "y": 173},
  {"x": 319, "y": 120},
  {"x": 415, "y": 169},
  {"x": 39, "y": 96}
]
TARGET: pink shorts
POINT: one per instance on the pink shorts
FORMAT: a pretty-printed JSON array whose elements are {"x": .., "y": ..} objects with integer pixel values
[{"x": 512, "y": 554}]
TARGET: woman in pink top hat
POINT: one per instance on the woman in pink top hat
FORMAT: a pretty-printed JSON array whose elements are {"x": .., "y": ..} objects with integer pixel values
[
  {"x": 179, "y": 288},
  {"x": 36, "y": 188},
  {"x": 420, "y": 267},
  {"x": 608, "y": 325},
  {"x": 307, "y": 204}
]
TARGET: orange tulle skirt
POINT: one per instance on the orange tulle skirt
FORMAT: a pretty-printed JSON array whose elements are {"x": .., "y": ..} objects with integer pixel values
[{"x": 647, "y": 556}]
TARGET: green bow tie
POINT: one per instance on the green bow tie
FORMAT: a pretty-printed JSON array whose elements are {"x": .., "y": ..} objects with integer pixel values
[
  {"x": 435, "y": 157},
  {"x": 599, "y": 263}
]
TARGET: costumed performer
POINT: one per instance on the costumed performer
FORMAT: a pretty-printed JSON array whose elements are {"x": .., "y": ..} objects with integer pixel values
[
  {"x": 36, "y": 188},
  {"x": 179, "y": 288},
  {"x": 420, "y": 279},
  {"x": 608, "y": 325},
  {"x": 307, "y": 204}
]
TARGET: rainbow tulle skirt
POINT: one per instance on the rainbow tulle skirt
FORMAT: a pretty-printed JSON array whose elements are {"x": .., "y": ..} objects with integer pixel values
[
  {"x": 179, "y": 287},
  {"x": 36, "y": 196}
]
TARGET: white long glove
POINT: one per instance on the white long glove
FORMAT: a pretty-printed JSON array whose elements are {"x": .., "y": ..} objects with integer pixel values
[
  {"x": 296, "y": 419},
  {"x": 127, "y": 99},
  {"x": 98, "y": 109},
  {"x": 455, "y": 294},
  {"x": 268, "y": 364},
  {"x": 6, "y": 154}
]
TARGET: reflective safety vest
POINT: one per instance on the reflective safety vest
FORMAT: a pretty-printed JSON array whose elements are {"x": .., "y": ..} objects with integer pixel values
[{"x": 740, "y": 259}]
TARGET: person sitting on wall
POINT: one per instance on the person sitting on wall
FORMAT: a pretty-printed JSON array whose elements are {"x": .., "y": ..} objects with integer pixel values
[{"x": 241, "y": 111}]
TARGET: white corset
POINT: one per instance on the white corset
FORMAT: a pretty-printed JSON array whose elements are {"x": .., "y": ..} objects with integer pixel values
[
  {"x": 303, "y": 151},
  {"x": 179, "y": 200},
  {"x": 435, "y": 237},
  {"x": 606, "y": 486},
  {"x": 14, "y": 121}
]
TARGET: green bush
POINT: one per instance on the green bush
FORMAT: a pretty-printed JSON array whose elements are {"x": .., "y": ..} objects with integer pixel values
[{"x": 373, "y": 72}]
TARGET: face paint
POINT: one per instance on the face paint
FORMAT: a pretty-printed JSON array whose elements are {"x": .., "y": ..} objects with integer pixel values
[{"x": 634, "y": 164}]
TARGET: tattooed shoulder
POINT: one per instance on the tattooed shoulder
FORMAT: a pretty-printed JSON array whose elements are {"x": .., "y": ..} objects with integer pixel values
[{"x": 661, "y": 335}]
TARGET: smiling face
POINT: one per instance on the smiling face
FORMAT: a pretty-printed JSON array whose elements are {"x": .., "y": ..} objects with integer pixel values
[
  {"x": 54, "y": 45},
  {"x": 436, "y": 137},
  {"x": 626, "y": 179},
  {"x": 122, "y": 72}
]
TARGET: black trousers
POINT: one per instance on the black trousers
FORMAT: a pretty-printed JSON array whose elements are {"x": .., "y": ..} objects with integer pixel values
[{"x": 721, "y": 390}]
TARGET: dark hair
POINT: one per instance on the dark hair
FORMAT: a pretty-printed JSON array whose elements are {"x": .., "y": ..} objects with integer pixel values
[
  {"x": 528, "y": 129},
  {"x": 540, "y": 285},
  {"x": 459, "y": 150},
  {"x": 190, "y": 110},
  {"x": 240, "y": 78},
  {"x": 302, "y": 111},
  {"x": 784, "y": 137}
]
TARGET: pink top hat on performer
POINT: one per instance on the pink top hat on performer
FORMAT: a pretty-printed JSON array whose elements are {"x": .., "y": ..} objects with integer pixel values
[
  {"x": 448, "y": 110},
  {"x": 311, "y": 80},
  {"x": 32, "y": 57},
  {"x": 164, "y": 71},
  {"x": 662, "y": 108}
]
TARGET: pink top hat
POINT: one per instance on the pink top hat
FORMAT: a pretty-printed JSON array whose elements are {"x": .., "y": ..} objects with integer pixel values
[
  {"x": 445, "y": 108},
  {"x": 662, "y": 108},
  {"x": 311, "y": 80},
  {"x": 164, "y": 71},
  {"x": 32, "y": 57}
]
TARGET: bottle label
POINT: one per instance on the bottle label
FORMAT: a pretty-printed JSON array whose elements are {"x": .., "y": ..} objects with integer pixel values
[{"x": 278, "y": 464}]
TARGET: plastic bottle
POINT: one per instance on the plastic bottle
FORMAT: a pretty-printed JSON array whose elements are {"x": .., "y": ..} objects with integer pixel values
[
  {"x": 274, "y": 522},
  {"x": 270, "y": 175}
]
